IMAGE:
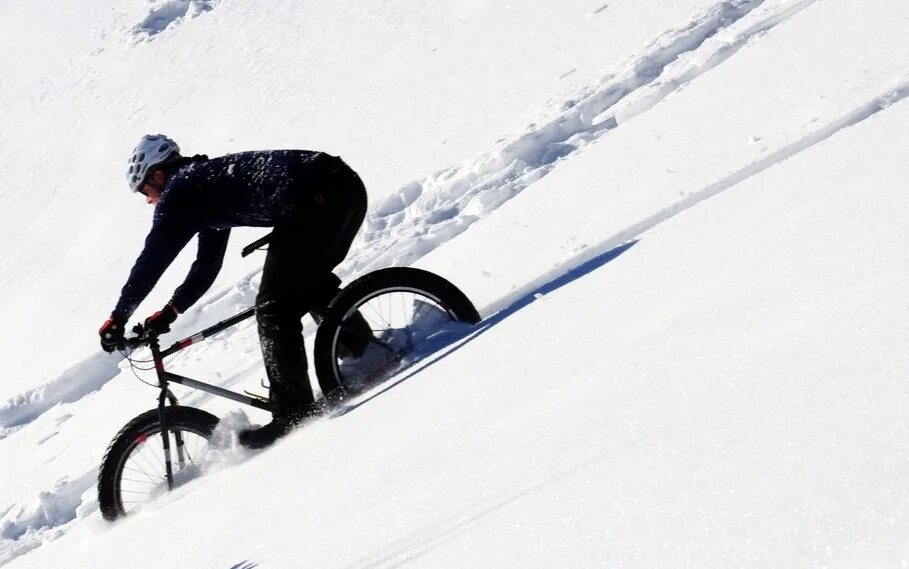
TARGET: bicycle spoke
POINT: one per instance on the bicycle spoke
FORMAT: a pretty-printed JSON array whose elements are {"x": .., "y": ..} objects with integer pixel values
[
  {"x": 398, "y": 321},
  {"x": 141, "y": 471},
  {"x": 143, "y": 454},
  {"x": 138, "y": 481},
  {"x": 146, "y": 461}
]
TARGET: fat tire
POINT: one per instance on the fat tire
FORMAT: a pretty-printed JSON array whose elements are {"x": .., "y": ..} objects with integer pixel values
[
  {"x": 450, "y": 297},
  {"x": 180, "y": 418}
]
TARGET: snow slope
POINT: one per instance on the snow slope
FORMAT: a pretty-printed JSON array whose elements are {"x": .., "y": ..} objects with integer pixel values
[{"x": 690, "y": 268}]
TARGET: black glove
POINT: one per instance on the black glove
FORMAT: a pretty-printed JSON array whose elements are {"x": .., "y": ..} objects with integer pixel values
[
  {"x": 160, "y": 321},
  {"x": 111, "y": 333}
]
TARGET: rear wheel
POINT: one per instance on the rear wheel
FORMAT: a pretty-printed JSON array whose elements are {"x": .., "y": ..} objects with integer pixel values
[
  {"x": 133, "y": 470},
  {"x": 383, "y": 320}
]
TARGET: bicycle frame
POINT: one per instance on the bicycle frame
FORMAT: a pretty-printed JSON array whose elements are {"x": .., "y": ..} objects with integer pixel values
[
  {"x": 166, "y": 377},
  {"x": 158, "y": 356}
]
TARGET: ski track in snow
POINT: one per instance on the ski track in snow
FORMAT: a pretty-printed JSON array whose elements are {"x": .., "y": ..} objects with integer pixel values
[{"x": 425, "y": 214}]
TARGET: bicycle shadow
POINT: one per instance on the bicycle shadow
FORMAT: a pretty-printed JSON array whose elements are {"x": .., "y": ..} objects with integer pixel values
[{"x": 474, "y": 332}]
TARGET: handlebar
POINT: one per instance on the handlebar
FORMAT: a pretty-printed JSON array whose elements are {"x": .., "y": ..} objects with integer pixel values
[{"x": 142, "y": 337}]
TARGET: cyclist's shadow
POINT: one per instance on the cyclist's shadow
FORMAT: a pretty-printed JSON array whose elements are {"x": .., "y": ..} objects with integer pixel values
[{"x": 473, "y": 332}]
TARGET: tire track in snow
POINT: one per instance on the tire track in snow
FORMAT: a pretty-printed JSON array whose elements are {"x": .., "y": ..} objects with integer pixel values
[
  {"x": 857, "y": 115},
  {"x": 427, "y": 213}
]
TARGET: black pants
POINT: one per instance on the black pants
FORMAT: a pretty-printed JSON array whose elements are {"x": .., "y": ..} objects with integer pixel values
[{"x": 297, "y": 278}]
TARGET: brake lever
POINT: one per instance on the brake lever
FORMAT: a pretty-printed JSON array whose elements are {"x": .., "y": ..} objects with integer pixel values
[{"x": 142, "y": 336}]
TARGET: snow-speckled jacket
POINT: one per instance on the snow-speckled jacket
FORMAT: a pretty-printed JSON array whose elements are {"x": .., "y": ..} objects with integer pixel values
[{"x": 209, "y": 196}]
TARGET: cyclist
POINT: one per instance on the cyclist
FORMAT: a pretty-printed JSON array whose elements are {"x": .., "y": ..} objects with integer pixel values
[{"x": 315, "y": 204}]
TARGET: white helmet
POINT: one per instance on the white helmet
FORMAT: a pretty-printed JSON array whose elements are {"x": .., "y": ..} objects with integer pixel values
[{"x": 152, "y": 150}]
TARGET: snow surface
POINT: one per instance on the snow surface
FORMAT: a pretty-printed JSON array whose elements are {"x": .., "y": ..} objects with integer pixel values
[{"x": 690, "y": 264}]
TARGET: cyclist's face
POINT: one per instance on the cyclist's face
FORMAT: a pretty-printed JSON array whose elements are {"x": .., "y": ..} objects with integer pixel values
[
  {"x": 151, "y": 194},
  {"x": 153, "y": 186}
]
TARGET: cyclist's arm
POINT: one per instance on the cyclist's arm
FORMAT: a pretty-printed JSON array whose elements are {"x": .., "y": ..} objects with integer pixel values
[
  {"x": 164, "y": 242},
  {"x": 209, "y": 258}
]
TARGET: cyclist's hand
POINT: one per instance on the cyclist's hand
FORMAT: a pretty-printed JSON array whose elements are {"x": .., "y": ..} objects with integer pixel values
[
  {"x": 160, "y": 321},
  {"x": 111, "y": 333}
]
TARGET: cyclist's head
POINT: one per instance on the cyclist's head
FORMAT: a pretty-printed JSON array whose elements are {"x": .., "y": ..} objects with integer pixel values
[{"x": 153, "y": 150}]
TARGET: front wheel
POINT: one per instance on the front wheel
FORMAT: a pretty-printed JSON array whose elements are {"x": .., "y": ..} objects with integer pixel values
[
  {"x": 383, "y": 320},
  {"x": 133, "y": 470}
]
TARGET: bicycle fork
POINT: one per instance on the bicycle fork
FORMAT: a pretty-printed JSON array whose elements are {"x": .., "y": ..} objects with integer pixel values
[{"x": 166, "y": 396}]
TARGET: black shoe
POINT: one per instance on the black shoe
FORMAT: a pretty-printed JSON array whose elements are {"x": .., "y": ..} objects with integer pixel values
[
  {"x": 332, "y": 399},
  {"x": 266, "y": 435}
]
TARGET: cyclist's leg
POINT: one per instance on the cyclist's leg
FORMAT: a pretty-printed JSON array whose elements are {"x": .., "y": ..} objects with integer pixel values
[
  {"x": 346, "y": 195},
  {"x": 340, "y": 211},
  {"x": 298, "y": 278},
  {"x": 278, "y": 313},
  {"x": 338, "y": 206}
]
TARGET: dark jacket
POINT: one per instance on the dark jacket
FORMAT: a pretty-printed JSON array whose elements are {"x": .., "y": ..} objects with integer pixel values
[{"x": 208, "y": 197}]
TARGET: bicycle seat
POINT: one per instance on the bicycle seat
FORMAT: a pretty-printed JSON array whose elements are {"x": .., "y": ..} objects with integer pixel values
[{"x": 255, "y": 245}]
